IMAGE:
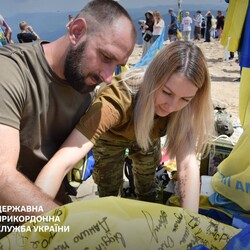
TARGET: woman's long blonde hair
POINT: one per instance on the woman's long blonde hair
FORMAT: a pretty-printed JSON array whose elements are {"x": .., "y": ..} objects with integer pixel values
[{"x": 194, "y": 123}]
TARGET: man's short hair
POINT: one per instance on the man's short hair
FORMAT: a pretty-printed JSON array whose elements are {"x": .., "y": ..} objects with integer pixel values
[
  {"x": 198, "y": 11},
  {"x": 105, "y": 12},
  {"x": 22, "y": 25}
]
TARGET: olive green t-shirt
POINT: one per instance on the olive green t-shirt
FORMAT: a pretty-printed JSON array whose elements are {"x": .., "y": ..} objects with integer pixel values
[
  {"x": 43, "y": 107},
  {"x": 111, "y": 116}
]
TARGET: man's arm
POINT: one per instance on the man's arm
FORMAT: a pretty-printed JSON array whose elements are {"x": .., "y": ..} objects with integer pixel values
[{"x": 16, "y": 189}]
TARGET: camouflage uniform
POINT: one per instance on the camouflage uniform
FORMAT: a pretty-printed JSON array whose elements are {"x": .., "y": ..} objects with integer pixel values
[{"x": 108, "y": 173}]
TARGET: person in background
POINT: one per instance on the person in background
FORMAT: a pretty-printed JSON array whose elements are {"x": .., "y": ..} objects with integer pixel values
[
  {"x": 159, "y": 25},
  {"x": 148, "y": 26},
  {"x": 3, "y": 40},
  {"x": 208, "y": 26},
  {"x": 142, "y": 26},
  {"x": 27, "y": 33},
  {"x": 213, "y": 31},
  {"x": 220, "y": 23},
  {"x": 186, "y": 23},
  {"x": 6, "y": 30},
  {"x": 197, "y": 25},
  {"x": 70, "y": 20},
  {"x": 203, "y": 27},
  {"x": 46, "y": 87},
  {"x": 172, "y": 98},
  {"x": 172, "y": 27}
]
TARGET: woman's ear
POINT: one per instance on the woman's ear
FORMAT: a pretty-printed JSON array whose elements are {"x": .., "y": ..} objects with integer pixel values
[{"x": 77, "y": 30}]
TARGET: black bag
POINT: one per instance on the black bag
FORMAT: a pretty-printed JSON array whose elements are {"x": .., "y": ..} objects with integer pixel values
[{"x": 147, "y": 37}]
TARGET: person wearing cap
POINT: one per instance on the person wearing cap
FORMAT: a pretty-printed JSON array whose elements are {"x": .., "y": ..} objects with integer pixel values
[
  {"x": 197, "y": 25},
  {"x": 172, "y": 27},
  {"x": 27, "y": 33}
]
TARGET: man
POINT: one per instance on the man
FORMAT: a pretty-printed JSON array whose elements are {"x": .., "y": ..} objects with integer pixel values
[
  {"x": 197, "y": 25},
  {"x": 70, "y": 19},
  {"x": 45, "y": 89},
  {"x": 27, "y": 33},
  {"x": 172, "y": 27}
]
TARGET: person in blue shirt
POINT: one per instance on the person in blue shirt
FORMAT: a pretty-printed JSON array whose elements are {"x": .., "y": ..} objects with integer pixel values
[{"x": 172, "y": 27}]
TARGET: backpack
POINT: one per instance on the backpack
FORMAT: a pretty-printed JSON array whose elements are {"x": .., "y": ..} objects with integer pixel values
[{"x": 223, "y": 123}]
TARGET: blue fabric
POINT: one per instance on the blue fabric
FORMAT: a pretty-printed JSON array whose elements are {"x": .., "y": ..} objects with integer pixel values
[
  {"x": 155, "y": 47},
  {"x": 89, "y": 165},
  {"x": 118, "y": 70},
  {"x": 240, "y": 241},
  {"x": 173, "y": 20},
  {"x": 240, "y": 221},
  {"x": 216, "y": 215},
  {"x": 244, "y": 47},
  {"x": 226, "y": 204},
  {"x": 199, "y": 247}
]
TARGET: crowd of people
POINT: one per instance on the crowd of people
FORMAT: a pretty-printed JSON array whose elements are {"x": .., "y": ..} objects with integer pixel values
[
  {"x": 204, "y": 27},
  {"x": 151, "y": 28}
]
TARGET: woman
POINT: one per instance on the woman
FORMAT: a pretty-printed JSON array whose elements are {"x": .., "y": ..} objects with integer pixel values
[
  {"x": 220, "y": 23},
  {"x": 147, "y": 37},
  {"x": 208, "y": 26},
  {"x": 159, "y": 25},
  {"x": 186, "y": 24},
  {"x": 173, "y": 99}
]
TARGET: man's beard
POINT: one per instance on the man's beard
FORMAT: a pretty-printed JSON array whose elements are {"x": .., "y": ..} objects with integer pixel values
[{"x": 73, "y": 70}]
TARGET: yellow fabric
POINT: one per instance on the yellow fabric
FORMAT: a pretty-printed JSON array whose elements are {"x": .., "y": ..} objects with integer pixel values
[
  {"x": 234, "y": 23},
  {"x": 233, "y": 177},
  {"x": 115, "y": 223},
  {"x": 204, "y": 203},
  {"x": 179, "y": 34},
  {"x": 244, "y": 98}
]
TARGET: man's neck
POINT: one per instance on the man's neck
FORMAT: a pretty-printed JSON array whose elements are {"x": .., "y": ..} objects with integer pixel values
[{"x": 55, "y": 53}]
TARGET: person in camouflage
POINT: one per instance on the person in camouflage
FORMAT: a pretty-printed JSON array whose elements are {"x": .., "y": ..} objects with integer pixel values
[{"x": 171, "y": 98}]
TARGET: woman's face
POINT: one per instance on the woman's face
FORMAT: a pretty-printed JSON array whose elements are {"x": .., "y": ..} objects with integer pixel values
[{"x": 175, "y": 94}]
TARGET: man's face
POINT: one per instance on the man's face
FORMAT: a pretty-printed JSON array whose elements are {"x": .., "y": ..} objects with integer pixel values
[
  {"x": 73, "y": 71},
  {"x": 94, "y": 59}
]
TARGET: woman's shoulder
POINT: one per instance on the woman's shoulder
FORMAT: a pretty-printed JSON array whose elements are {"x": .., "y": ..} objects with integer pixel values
[{"x": 116, "y": 92}]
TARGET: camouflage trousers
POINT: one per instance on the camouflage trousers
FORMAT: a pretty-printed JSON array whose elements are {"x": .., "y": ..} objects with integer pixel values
[{"x": 108, "y": 173}]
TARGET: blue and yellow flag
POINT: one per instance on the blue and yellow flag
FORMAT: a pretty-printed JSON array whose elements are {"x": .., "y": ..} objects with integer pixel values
[
  {"x": 233, "y": 177},
  {"x": 153, "y": 50}
]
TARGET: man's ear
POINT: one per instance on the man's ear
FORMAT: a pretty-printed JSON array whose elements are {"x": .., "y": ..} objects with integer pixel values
[{"x": 77, "y": 30}]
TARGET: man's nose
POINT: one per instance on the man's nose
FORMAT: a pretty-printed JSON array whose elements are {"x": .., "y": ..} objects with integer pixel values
[{"x": 107, "y": 73}]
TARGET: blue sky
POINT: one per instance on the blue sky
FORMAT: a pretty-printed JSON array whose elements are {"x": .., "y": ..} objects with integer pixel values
[{"x": 12, "y": 7}]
